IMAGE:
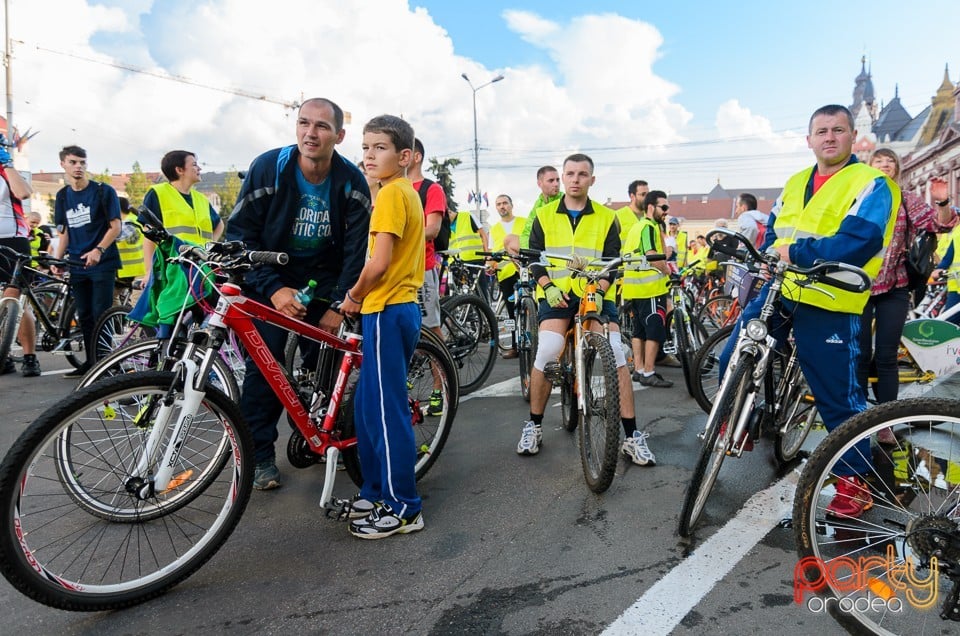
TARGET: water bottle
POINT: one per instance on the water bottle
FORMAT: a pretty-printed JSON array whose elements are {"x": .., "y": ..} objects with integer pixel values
[{"x": 305, "y": 295}]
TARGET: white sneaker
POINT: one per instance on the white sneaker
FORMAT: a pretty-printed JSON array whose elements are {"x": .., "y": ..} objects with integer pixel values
[
  {"x": 530, "y": 439},
  {"x": 636, "y": 447}
]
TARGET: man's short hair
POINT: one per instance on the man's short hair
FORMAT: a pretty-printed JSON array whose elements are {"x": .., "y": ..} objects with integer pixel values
[
  {"x": 544, "y": 170},
  {"x": 632, "y": 188},
  {"x": 505, "y": 196},
  {"x": 124, "y": 204},
  {"x": 399, "y": 131},
  {"x": 578, "y": 157},
  {"x": 337, "y": 111},
  {"x": 173, "y": 160},
  {"x": 831, "y": 109},
  {"x": 76, "y": 151},
  {"x": 748, "y": 200},
  {"x": 418, "y": 147},
  {"x": 651, "y": 198}
]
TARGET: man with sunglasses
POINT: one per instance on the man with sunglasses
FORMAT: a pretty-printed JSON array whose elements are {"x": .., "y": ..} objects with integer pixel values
[{"x": 645, "y": 286}]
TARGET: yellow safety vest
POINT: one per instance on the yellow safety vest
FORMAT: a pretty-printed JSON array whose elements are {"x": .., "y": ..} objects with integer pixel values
[
  {"x": 821, "y": 218},
  {"x": 641, "y": 280},
  {"x": 560, "y": 238},
  {"x": 952, "y": 283},
  {"x": 463, "y": 239},
  {"x": 682, "y": 248},
  {"x": 498, "y": 233},
  {"x": 627, "y": 219},
  {"x": 186, "y": 223},
  {"x": 131, "y": 253}
]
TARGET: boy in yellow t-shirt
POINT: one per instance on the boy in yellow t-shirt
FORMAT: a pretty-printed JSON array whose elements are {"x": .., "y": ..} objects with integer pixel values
[{"x": 386, "y": 297}]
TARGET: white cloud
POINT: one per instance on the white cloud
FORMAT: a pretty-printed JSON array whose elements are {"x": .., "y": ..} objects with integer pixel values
[{"x": 600, "y": 93}]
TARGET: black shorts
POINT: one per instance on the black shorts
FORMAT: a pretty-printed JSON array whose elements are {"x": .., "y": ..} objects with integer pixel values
[
  {"x": 650, "y": 317},
  {"x": 22, "y": 246},
  {"x": 546, "y": 312}
]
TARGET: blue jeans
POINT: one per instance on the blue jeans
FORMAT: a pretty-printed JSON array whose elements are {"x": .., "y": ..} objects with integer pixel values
[
  {"x": 385, "y": 439},
  {"x": 92, "y": 295},
  {"x": 828, "y": 348}
]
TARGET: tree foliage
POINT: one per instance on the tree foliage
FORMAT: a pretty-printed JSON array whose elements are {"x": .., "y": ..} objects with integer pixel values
[
  {"x": 443, "y": 170},
  {"x": 137, "y": 185},
  {"x": 228, "y": 192},
  {"x": 103, "y": 177}
]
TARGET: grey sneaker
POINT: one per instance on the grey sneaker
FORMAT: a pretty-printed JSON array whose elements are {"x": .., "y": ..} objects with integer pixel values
[
  {"x": 655, "y": 380},
  {"x": 266, "y": 476},
  {"x": 669, "y": 360},
  {"x": 30, "y": 368}
]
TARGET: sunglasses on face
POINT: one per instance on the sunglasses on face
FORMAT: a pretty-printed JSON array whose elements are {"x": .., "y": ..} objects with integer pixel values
[{"x": 664, "y": 207}]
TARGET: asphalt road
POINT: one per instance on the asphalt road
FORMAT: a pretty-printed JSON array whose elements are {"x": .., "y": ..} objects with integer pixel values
[{"x": 512, "y": 545}]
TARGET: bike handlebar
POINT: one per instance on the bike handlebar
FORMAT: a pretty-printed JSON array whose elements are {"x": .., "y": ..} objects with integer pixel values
[{"x": 232, "y": 256}]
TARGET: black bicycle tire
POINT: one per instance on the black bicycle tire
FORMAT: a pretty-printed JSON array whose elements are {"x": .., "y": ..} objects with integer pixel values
[
  {"x": 23, "y": 572},
  {"x": 704, "y": 362},
  {"x": 708, "y": 319},
  {"x": 683, "y": 345},
  {"x": 528, "y": 333},
  {"x": 70, "y": 313},
  {"x": 714, "y": 448},
  {"x": 105, "y": 329},
  {"x": 809, "y": 524},
  {"x": 478, "y": 346},
  {"x": 596, "y": 348},
  {"x": 9, "y": 315},
  {"x": 793, "y": 410},
  {"x": 569, "y": 411}
]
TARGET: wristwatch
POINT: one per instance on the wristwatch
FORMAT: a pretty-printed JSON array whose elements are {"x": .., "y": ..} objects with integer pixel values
[
  {"x": 102, "y": 249},
  {"x": 943, "y": 203}
]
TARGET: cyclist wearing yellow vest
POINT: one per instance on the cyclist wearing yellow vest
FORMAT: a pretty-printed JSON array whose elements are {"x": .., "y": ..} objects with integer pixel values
[
  {"x": 838, "y": 210},
  {"x": 645, "y": 287},
  {"x": 575, "y": 225},
  {"x": 504, "y": 235},
  {"x": 130, "y": 244},
  {"x": 630, "y": 214},
  {"x": 676, "y": 243},
  {"x": 185, "y": 212},
  {"x": 548, "y": 180}
]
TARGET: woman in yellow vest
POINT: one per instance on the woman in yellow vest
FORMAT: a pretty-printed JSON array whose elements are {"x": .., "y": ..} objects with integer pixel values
[{"x": 185, "y": 212}]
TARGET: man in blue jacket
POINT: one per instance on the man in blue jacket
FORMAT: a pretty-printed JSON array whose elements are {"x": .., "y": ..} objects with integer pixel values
[{"x": 309, "y": 202}]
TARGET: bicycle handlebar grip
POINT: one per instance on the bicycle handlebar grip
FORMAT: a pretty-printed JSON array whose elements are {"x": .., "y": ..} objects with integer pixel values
[
  {"x": 268, "y": 258},
  {"x": 193, "y": 252},
  {"x": 846, "y": 277}
]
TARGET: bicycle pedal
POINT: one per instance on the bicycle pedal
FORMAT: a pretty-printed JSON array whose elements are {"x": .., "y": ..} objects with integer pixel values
[
  {"x": 553, "y": 372},
  {"x": 337, "y": 509}
]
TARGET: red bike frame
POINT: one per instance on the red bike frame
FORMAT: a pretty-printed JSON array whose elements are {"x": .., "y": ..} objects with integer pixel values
[{"x": 237, "y": 312}]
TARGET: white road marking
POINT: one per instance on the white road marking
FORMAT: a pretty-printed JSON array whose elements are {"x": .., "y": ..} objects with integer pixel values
[{"x": 664, "y": 605}]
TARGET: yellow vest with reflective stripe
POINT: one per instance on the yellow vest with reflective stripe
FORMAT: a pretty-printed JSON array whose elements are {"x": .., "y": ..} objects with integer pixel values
[
  {"x": 821, "y": 218},
  {"x": 186, "y": 223},
  {"x": 131, "y": 254},
  {"x": 952, "y": 283},
  {"x": 498, "y": 233},
  {"x": 642, "y": 280},
  {"x": 559, "y": 237},
  {"x": 463, "y": 239},
  {"x": 627, "y": 219}
]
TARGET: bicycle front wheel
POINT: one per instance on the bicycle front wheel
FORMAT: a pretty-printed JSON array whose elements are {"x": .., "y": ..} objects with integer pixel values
[
  {"x": 527, "y": 333},
  {"x": 705, "y": 377},
  {"x": 470, "y": 333},
  {"x": 75, "y": 537},
  {"x": 716, "y": 441},
  {"x": 600, "y": 429},
  {"x": 908, "y": 527}
]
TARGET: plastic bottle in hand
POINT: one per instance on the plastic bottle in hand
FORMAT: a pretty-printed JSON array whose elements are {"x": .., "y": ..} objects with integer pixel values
[{"x": 305, "y": 295}]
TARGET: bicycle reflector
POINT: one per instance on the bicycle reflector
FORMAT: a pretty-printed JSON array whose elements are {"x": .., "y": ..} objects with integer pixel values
[{"x": 756, "y": 329}]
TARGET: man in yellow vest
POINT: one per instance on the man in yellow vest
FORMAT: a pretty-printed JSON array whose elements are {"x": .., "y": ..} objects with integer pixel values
[
  {"x": 185, "y": 212},
  {"x": 467, "y": 238},
  {"x": 676, "y": 241},
  {"x": 130, "y": 246},
  {"x": 548, "y": 180},
  {"x": 837, "y": 210},
  {"x": 645, "y": 287},
  {"x": 505, "y": 235},
  {"x": 573, "y": 224},
  {"x": 630, "y": 214}
]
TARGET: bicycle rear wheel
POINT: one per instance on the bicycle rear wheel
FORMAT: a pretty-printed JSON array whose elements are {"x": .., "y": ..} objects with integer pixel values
[
  {"x": 569, "y": 411},
  {"x": 719, "y": 312},
  {"x": 705, "y": 377},
  {"x": 9, "y": 317},
  {"x": 74, "y": 537},
  {"x": 470, "y": 333},
  {"x": 527, "y": 336},
  {"x": 716, "y": 441},
  {"x": 600, "y": 429},
  {"x": 796, "y": 417},
  {"x": 114, "y": 330},
  {"x": 913, "y": 486}
]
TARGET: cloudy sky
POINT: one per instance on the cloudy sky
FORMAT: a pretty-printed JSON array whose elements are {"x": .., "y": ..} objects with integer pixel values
[{"x": 682, "y": 94}]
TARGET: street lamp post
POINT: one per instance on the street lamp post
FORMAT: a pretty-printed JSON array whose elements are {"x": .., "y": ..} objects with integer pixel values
[{"x": 476, "y": 142}]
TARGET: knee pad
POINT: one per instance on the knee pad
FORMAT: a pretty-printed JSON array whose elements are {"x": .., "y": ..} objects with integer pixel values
[
  {"x": 616, "y": 343},
  {"x": 549, "y": 348}
]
